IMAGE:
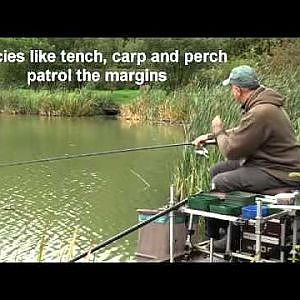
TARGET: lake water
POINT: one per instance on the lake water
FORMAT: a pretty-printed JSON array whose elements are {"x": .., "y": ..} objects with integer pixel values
[{"x": 54, "y": 210}]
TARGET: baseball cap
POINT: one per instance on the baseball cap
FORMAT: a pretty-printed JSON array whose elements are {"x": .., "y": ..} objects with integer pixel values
[{"x": 243, "y": 76}]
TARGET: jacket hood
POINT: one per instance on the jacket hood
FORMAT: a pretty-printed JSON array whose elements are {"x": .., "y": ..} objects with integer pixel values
[{"x": 263, "y": 96}]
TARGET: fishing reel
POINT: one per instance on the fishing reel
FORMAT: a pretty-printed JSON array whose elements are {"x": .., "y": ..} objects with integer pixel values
[{"x": 203, "y": 151}]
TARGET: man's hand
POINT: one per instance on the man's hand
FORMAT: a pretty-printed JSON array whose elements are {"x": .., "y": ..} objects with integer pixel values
[
  {"x": 217, "y": 125},
  {"x": 200, "y": 140}
]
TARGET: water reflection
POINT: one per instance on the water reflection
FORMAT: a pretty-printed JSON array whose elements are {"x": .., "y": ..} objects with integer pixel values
[{"x": 51, "y": 211}]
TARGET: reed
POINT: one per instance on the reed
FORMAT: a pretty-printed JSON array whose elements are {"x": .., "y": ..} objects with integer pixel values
[{"x": 65, "y": 252}]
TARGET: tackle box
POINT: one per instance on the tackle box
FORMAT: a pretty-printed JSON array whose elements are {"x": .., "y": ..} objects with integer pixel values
[
  {"x": 249, "y": 211},
  {"x": 202, "y": 201},
  {"x": 240, "y": 198},
  {"x": 226, "y": 209}
]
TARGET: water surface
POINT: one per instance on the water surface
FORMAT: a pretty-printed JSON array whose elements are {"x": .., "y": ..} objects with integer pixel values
[{"x": 45, "y": 207}]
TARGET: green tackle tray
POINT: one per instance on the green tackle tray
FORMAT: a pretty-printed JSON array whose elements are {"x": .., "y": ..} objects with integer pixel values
[
  {"x": 202, "y": 201},
  {"x": 240, "y": 198},
  {"x": 226, "y": 209}
]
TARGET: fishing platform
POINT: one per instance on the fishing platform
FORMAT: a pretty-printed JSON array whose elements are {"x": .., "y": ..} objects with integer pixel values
[
  {"x": 268, "y": 223},
  {"x": 268, "y": 227}
]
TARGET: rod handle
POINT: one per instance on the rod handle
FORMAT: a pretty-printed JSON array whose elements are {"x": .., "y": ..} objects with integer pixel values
[{"x": 210, "y": 142}]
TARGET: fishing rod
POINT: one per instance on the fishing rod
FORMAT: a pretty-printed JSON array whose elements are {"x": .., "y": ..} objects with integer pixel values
[
  {"x": 67, "y": 156},
  {"x": 129, "y": 230}
]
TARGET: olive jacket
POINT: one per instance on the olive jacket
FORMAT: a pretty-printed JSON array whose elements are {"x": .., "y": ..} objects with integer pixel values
[{"x": 264, "y": 137}]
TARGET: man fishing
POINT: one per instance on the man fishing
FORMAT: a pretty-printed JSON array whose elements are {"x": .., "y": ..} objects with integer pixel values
[{"x": 260, "y": 152}]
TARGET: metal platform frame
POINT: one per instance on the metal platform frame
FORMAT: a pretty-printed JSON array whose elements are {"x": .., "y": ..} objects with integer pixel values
[{"x": 286, "y": 210}]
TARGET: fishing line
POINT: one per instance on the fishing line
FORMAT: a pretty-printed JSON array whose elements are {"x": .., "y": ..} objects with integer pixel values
[{"x": 73, "y": 156}]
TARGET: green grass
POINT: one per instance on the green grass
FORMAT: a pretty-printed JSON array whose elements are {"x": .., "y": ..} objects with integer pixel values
[
  {"x": 125, "y": 96},
  {"x": 119, "y": 96}
]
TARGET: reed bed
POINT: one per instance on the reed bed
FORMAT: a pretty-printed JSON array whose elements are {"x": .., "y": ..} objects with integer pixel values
[
  {"x": 195, "y": 106},
  {"x": 77, "y": 103}
]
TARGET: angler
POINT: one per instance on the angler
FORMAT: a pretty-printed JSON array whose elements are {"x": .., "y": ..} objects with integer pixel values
[{"x": 261, "y": 151}]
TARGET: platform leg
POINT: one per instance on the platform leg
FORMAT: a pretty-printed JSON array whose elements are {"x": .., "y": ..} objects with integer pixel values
[
  {"x": 188, "y": 243},
  {"x": 282, "y": 239}
]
